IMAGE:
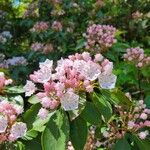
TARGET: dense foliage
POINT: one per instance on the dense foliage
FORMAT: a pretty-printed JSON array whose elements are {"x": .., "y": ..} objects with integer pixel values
[{"x": 74, "y": 74}]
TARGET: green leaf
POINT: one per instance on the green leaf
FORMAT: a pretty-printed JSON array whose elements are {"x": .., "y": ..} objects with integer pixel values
[
  {"x": 32, "y": 145},
  {"x": 102, "y": 105},
  {"x": 122, "y": 144},
  {"x": 56, "y": 133},
  {"x": 78, "y": 133},
  {"x": 33, "y": 99},
  {"x": 14, "y": 89},
  {"x": 17, "y": 100},
  {"x": 20, "y": 146},
  {"x": 120, "y": 97},
  {"x": 31, "y": 114},
  {"x": 30, "y": 134},
  {"x": 91, "y": 114},
  {"x": 39, "y": 124},
  {"x": 80, "y": 44},
  {"x": 142, "y": 144},
  {"x": 75, "y": 113}
]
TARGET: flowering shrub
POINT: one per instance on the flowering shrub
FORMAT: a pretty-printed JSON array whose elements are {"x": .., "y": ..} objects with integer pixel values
[{"x": 72, "y": 75}]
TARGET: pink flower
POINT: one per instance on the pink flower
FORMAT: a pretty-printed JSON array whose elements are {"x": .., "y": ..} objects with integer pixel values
[
  {"x": 89, "y": 88},
  {"x": 44, "y": 74},
  {"x": 100, "y": 37},
  {"x": 137, "y": 57},
  {"x": 43, "y": 113},
  {"x": 29, "y": 88},
  {"x": 86, "y": 56},
  {"x": 9, "y": 81},
  {"x": 2, "y": 80},
  {"x": 143, "y": 116},
  {"x": 40, "y": 27},
  {"x": 107, "y": 67},
  {"x": 98, "y": 58},
  {"x": 147, "y": 123},
  {"x": 57, "y": 26},
  {"x": 142, "y": 135},
  {"x": 131, "y": 124}
]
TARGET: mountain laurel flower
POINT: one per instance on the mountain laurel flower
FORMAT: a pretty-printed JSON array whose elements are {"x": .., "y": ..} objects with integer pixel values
[
  {"x": 100, "y": 37},
  {"x": 10, "y": 129},
  {"x": 3, "y": 81},
  {"x": 143, "y": 116},
  {"x": 131, "y": 124},
  {"x": 29, "y": 88},
  {"x": 57, "y": 26},
  {"x": 44, "y": 74},
  {"x": 43, "y": 113},
  {"x": 40, "y": 27},
  {"x": 3, "y": 123},
  {"x": 107, "y": 81},
  {"x": 18, "y": 130},
  {"x": 142, "y": 135},
  {"x": 98, "y": 58},
  {"x": 62, "y": 84},
  {"x": 70, "y": 101},
  {"x": 137, "y": 57}
]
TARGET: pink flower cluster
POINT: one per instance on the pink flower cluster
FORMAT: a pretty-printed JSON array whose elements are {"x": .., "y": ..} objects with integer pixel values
[
  {"x": 100, "y": 37},
  {"x": 134, "y": 120},
  {"x": 10, "y": 129},
  {"x": 4, "y": 81},
  {"x": 75, "y": 74},
  {"x": 40, "y": 47},
  {"x": 139, "y": 119},
  {"x": 57, "y": 26},
  {"x": 40, "y": 27},
  {"x": 136, "y": 55},
  {"x": 31, "y": 10}
]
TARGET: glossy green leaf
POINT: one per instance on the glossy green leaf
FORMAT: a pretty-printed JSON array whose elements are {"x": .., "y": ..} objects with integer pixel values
[
  {"x": 122, "y": 144},
  {"x": 103, "y": 106},
  {"x": 78, "y": 133},
  {"x": 91, "y": 114},
  {"x": 56, "y": 133},
  {"x": 31, "y": 114},
  {"x": 15, "y": 89},
  {"x": 33, "y": 99}
]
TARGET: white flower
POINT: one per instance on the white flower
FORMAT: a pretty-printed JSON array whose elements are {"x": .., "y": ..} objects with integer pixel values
[
  {"x": 18, "y": 129},
  {"x": 107, "y": 81},
  {"x": 46, "y": 64},
  {"x": 2, "y": 74},
  {"x": 3, "y": 123},
  {"x": 142, "y": 135},
  {"x": 29, "y": 88},
  {"x": 18, "y": 108},
  {"x": 89, "y": 70},
  {"x": 70, "y": 101},
  {"x": 44, "y": 74}
]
